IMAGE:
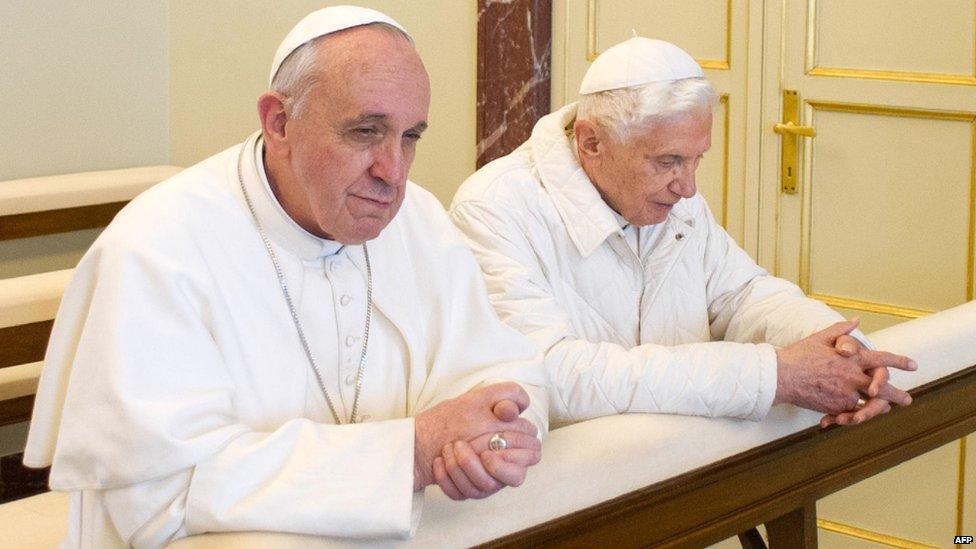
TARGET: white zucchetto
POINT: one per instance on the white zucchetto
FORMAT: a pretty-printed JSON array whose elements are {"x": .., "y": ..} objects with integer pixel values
[
  {"x": 326, "y": 21},
  {"x": 638, "y": 61}
]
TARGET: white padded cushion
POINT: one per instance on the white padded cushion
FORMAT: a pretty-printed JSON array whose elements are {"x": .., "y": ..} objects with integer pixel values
[
  {"x": 37, "y": 521},
  {"x": 32, "y": 298},
  {"x": 56, "y": 192},
  {"x": 20, "y": 380}
]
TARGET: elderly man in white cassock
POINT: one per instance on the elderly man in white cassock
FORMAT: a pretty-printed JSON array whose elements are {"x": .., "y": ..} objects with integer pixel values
[
  {"x": 288, "y": 336},
  {"x": 596, "y": 244}
]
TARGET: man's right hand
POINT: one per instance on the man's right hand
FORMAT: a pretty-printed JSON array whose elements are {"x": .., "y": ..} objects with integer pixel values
[
  {"x": 812, "y": 374},
  {"x": 491, "y": 409}
]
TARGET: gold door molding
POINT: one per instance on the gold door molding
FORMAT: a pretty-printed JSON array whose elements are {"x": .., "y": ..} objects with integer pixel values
[
  {"x": 868, "y": 535},
  {"x": 961, "y": 488},
  {"x": 812, "y": 68},
  {"x": 724, "y": 101},
  {"x": 805, "y": 232},
  {"x": 714, "y": 64}
]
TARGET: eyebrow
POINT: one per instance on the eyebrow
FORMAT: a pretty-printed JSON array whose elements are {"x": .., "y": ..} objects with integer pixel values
[
  {"x": 379, "y": 117},
  {"x": 368, "y": 117}
]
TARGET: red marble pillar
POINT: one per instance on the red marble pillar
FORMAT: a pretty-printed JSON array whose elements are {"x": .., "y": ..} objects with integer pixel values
[{"x": 514, "y": 71}]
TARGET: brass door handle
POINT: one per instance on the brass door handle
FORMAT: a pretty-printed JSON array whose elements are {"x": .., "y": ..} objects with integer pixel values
[
  {"x": 789, "y": 131},
  {"x": 793, "y": 129}
]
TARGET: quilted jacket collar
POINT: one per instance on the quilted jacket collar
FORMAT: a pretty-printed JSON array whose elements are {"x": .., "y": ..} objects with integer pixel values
[{"x": 588, "y": 219}]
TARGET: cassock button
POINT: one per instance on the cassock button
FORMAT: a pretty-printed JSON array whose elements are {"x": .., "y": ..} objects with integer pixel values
[
  {"x": 344, "y": 300},
  {"x": 350, "y": 340},
  {"x": 351, "y": 379},
  {"x": 334, "y": 266}
]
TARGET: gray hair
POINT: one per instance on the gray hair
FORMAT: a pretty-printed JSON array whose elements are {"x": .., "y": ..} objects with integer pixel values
[
  {"x": 297, "y": 74},
  {"x": 620, "y": 111}
]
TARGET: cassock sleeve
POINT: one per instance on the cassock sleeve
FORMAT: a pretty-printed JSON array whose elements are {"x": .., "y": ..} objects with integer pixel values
[
  {"x": 470, "y": 346},
  {"x": 149, "y": 419},
  {"x": 588, "y": 379}
]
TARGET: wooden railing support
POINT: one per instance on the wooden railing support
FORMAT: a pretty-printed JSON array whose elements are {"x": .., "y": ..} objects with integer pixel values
[
  {"x": 752, "y": 539},
  {"x": 796, "y": 529}
]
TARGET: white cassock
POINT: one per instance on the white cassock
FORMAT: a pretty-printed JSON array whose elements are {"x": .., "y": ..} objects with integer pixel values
[
  {"x": 680, "y": 320},
  {"x": 176, "y": 398}
]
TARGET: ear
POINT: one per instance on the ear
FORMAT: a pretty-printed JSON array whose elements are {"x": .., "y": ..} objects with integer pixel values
[
  {"x": 589, "y": 141},
  {"x": 271, "y": 111}
]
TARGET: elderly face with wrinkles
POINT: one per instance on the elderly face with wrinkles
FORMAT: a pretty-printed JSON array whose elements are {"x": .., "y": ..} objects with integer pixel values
[
  {"x": 645, "y": 175},
  {"x": 346, "y": 155}
]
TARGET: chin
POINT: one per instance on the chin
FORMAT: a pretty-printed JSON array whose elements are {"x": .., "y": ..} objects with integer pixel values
[
  {"x": 646, "y": 218},
  {"x": 366, "y": 233}
]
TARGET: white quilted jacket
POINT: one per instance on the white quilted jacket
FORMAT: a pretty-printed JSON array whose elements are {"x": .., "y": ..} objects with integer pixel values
[{"x": 689, "y": 327}]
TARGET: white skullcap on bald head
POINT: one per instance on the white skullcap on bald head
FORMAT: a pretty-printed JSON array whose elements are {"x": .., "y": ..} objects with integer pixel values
[
  {"x": 638, "y": 61},
  {"x": 326, "y": 21}
]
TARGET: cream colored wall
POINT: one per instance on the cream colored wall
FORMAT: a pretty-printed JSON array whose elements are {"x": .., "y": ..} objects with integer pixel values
[
  {"x": 220, "y": 54},
  {"x": 84, "y": 87}
]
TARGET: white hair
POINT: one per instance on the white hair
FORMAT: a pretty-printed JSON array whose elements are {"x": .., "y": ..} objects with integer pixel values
[
  {"x": 620, "y": 111},
  {"x": 297, "y": 73}
]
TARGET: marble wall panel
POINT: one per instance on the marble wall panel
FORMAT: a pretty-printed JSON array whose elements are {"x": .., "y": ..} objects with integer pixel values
[{"x": 514, "y": 72}]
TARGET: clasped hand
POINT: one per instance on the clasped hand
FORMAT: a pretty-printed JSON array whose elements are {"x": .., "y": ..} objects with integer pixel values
[
  {"x": 830, "y": 371},
  {"x": 451, "y": 445}
]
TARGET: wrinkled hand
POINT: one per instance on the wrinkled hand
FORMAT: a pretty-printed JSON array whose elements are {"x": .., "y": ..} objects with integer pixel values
[
  {"x": 470, "y": 470},
  {"x": 491, "y": 409},
  {"x": 876, "y": 404},
  {"x": 826, "y": 372}
]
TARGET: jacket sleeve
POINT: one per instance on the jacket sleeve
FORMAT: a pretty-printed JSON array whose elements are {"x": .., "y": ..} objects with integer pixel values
[
  {"x": 590, "y": 379},
  {"x": 149, "y": 420},
  {"x": 746, "y": 304}
]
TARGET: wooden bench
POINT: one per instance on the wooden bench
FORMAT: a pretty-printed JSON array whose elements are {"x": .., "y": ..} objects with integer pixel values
[
  {"x": 43, "y": 206},
  {"x": 27, "y": 308},
  {"x": 62, "y": 203},
  {"x": 30, "y": 208}
]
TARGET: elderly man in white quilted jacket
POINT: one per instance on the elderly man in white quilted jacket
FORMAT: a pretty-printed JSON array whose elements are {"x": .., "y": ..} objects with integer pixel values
[{"x": 595, "y": 243}]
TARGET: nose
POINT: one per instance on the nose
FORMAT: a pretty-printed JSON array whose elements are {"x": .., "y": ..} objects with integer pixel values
[
  {"x": 389, "y": 163},
  {"x": 683, "y": 183}
]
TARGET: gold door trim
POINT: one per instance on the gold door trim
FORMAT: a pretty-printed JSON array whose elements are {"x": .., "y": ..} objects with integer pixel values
[
  {"x": 870, "y": 306},
  {"x": 926, "y": 77},
  {"x": 880, "y": 110},
  {"x": 812, "y": 69},
  {"x": 961, "y": 487},
  {"x": 723, "y": 100},
  {"x": 861, "y": 533},
  {"x": 714, "y": 64}
]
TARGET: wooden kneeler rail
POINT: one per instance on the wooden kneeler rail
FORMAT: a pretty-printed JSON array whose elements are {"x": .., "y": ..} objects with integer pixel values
[
  {"x": 46, "y": 206},
  {"x": 65, "y": 220},
  {"x": 776, "y": 484},
  {"x": 21, "y": 344}
]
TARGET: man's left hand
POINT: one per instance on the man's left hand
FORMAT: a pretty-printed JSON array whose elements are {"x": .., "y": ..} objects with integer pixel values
[{"x": 880, "y": 395}]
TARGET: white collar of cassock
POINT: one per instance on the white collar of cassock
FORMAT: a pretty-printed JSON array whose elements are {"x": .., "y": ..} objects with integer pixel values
[{"x": 279, "y": 226}]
